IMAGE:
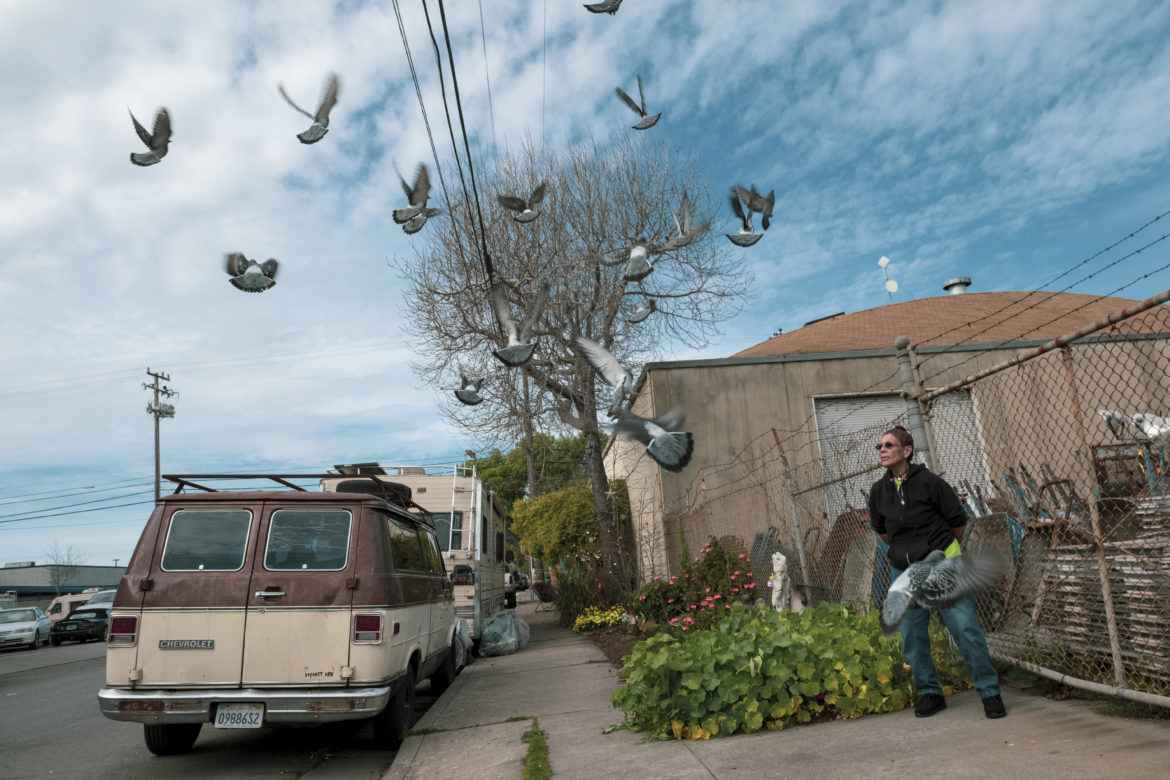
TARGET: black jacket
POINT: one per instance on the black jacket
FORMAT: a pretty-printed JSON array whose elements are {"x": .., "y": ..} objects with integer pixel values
[{"x": 918, "y": 518}]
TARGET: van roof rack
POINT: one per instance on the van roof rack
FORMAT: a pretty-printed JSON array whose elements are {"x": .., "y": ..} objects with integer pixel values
[{"x": 392, "y": 492}]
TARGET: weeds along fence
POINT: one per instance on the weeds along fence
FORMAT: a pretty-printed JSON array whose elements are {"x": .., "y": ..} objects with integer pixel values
[{"x": 1060, "y": 458}]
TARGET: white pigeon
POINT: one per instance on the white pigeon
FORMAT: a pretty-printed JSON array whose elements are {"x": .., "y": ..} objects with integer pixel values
[
  {"x": 747, "y": 235},
  {"x": 1155, "y": 428},
  {"x": 248, "y": 275},
  {"x": 938, "y": 582},
  {"x": 519, "y": 349},
  {"x": 646, "y": 121},
  {"x": 642, "y": 312},
  {"x": 670, "y": 448},
  {"x": 1118, "y": 423},
  {"x": 320, "y": 125},
  {"x": 606, "y": 7},
  {"x": 611, "y": 370},
  {"x": 638, "y": 267},
  {"x": 413, "y": 217},
  {"x": 158, "y": 142},
  {"x": 610, "y": 257},
  {"x": 526, "y": 210},
  {"x": 758, "y": 203},
  {"x": 469, "y": 392}
]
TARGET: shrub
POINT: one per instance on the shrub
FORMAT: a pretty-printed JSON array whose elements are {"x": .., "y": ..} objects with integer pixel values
[
  {"x": 766, "y": 669},
  {"x": 594, "y": 617},
  {"x": 576, "y": 591},
  {"x": 703, "y": 592}
]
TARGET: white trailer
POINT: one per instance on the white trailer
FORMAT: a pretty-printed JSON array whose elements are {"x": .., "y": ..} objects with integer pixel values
[{"x": 470, "y": 526}]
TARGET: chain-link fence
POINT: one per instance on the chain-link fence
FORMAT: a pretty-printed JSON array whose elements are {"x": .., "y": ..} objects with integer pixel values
[{"x": 1060, "y": 459}]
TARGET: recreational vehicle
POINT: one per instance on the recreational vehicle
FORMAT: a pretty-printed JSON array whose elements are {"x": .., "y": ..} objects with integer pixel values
[{"x": 470, "y": 527}]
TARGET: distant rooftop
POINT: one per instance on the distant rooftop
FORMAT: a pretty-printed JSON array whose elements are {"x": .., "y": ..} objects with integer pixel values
[{"x": 970, "y": 318}]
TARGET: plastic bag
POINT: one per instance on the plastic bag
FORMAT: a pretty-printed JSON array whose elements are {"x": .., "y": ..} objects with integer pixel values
[
  {"x": 503, "y": 635},
  {"x": 462, "y": 644}
]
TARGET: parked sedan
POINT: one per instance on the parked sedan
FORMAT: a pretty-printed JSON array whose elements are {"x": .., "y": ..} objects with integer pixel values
[
  {"x": 82, "y": 624},
  {"x": 24, "y": 627}
]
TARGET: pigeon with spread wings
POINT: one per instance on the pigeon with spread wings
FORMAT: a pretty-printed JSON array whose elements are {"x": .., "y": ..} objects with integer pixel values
[
  {"x": 642, "y": 312},
  {"x": 938, "y": 582},
  {"x": 469, "y": 392},
  {"x": 526, "y": 210},
  {"x": 604, "y": 363},
  {"x": 669, "y": 447},
  {"x": 248, "y": 275},
  {"x": 519, "y": 349},
  {"x": 758, "y": 203},
  {"x": 747, "y": 235},
  {"x": 413, "y": 217},
  {"x": 157, "y": 142},
  {"x": 647, "y": 121},
  {"x": 605, "y": 7},
  {"x": 320, "y": 125}
]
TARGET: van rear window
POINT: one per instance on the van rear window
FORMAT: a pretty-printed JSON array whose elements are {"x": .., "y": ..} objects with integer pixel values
[
  {"x": 308, "y": 540},
  {"x": 207, "y": 540}
]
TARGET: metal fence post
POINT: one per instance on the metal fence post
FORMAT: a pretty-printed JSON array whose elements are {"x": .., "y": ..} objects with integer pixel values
[
  {"x": 911, "y": 391},
  {"x": 1086, "y": 457}
]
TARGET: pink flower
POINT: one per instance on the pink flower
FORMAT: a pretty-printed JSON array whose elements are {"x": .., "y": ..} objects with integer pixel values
[
  {"x": 708, "y": 590},
  {"x": 741, "y": 555},
  {"x": 733, "y": 575},
  {"x": 641, "y": 598},
  {"x": 657, "y": 577},
  {"x": 670, "y": 601},
  {"x": 735, "y": 590}
]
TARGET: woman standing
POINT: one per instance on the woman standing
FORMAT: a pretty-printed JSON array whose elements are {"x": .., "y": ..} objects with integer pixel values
[{"x": 916, "y": 512}]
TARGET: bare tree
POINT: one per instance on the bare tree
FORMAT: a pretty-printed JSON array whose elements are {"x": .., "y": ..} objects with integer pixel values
[
  {"x": 599, "y": 201},
  {"x": 63, "y": 565}
]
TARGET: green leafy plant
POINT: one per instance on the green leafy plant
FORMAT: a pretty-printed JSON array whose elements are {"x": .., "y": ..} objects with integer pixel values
[
  {"x": 595, "y": 617},
  {"x": 759, "y": 668},
  {"x": 702, "y": 592},
  {"x": 577, "y": 590}
]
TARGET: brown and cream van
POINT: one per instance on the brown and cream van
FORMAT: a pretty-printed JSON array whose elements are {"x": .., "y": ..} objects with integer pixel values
[{"x": 268, "y": 607}]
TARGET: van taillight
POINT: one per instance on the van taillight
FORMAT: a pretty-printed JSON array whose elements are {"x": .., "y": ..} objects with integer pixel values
[
  {"x": 123, "y": 631},
  {"x": 367, "y": 628}
]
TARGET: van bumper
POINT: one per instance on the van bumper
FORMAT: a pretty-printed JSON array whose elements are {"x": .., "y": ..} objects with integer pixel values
[{"x": 305, "y": 705}]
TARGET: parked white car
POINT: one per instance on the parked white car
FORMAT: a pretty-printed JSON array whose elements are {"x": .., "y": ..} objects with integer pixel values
[{"x": 24, "y": 627}]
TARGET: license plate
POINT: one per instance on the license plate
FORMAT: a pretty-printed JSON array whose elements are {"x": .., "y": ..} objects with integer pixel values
[{"x": 239, "y": 716}]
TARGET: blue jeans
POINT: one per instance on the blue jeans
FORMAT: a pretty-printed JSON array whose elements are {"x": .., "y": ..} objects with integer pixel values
[{"x": 964, "y": 627}]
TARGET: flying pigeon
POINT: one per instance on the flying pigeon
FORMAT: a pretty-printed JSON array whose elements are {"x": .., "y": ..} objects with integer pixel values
[
  {"x": 320, "y": 125},
  {"x": 519, "y": 349},
  {"x": 1118, "y": 423},
  {"x": 938, "y": 582},
  {"x": 611, "y": 371},
  {"x": 638, "y": 267},
  {"x": 758, "y": 203},
  {"x": 248, "y": 275},
  {"x": 606, "y": 7},
  {"x": 647, "y": 121},
  {"x": 642, "y": 312},
  {"x": 469, "y": 392},
  {"x": 687, "y": 232},
  {"x": 414, "y": 216},
  {"x": 610, "y": 257},
  {"x": 1155, "y": 428},
  {"x": 747, "y": 234},
  {"x": 157, "y": 142},
  {"x": 526, "y": 211},
  {"x": 672, "y": 450}
]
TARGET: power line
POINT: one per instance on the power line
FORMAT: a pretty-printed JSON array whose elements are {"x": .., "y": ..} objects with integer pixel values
[
  {"x": 487, "y": 260},
  {"x": 487, "y": 77}
]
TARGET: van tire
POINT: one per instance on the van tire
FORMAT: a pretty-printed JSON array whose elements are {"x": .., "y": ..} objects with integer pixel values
[
  {"x": 392, "y": 723},
  {"x": 168, "y": 739},
  {"x": 445, "y": 675},
  {"x": 510, "y": 600}
]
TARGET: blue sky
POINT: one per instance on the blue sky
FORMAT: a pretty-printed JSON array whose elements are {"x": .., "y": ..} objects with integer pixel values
[{"x": 1004, "y": 141}]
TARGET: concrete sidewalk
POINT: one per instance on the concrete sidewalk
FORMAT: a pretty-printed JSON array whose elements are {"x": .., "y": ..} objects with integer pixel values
[{"x": 564, "y": 680}]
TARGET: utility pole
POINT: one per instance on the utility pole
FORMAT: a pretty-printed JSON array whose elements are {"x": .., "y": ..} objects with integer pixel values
[{"x": 158, "y": 411}]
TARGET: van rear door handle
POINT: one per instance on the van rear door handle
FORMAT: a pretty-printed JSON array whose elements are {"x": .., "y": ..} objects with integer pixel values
[{"x": 267, "y": 594}]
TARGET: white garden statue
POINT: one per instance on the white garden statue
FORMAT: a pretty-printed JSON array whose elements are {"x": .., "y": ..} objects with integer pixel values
[{"x": 784, "y": 596}]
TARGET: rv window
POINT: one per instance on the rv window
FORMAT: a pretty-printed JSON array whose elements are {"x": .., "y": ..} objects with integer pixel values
[
  {"x": 405, "y": 547},
  {"x": 499, "y": 545},
  {"x": 207, "y": 540},
  {"x": 450, "y": 534},
  {"x": 307, "y": 540}
]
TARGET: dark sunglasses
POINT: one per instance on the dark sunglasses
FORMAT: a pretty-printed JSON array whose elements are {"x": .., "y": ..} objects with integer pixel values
[{"x": 886, "y": 445}]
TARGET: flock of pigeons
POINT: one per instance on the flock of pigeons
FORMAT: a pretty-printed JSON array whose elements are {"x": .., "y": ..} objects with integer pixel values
[
  {"x": 664, "y": 442},
  {"x": 1142, "y": 426}
]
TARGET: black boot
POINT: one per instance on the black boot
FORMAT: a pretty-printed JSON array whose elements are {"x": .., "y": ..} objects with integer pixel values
[{"x": 928, "y": 704}]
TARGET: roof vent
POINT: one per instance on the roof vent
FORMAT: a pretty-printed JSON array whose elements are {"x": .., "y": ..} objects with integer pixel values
[{"x": 958, "y": 285}]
